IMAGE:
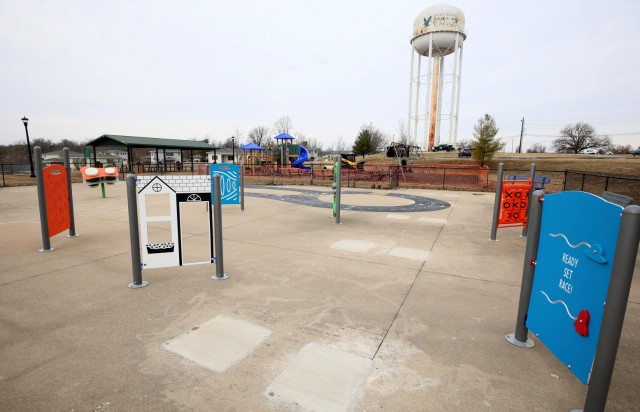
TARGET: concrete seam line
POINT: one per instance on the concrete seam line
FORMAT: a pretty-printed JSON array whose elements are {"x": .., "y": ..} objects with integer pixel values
[
  {"x": 65, "y": 268},
  {"x": 398, "y": 311}
]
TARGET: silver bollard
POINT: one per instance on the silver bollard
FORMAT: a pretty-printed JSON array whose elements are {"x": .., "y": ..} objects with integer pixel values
[
  {"x": 217, "y": 225},
  {"x": 520, "y": 338},
  {"x": 496, "y": 203},
  {"x": 72, "y": 222},
  {"x": 134, "y": 234},
  {"x": 42, "y": 201},
  {"x": 338, "y": 187},
  {"x": 532, "y": 175},
  {"x": 242, "y": 187}
]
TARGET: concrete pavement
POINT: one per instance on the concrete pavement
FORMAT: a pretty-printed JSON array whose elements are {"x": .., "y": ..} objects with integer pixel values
[{"x": 395, "y": 311}]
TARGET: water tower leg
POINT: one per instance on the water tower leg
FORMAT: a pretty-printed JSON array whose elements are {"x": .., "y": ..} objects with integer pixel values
[
  {"x": 410, "y": 136},
  {"x": 433, "y": 118}
]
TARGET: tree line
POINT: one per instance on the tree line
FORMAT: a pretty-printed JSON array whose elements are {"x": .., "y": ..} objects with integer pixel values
[
  {"x": 573, "y": 138},
  {"x": 17, "y": 152}
]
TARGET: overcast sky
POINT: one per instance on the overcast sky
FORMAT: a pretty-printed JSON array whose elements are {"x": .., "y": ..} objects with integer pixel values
[{"x": 191, "y": 69}]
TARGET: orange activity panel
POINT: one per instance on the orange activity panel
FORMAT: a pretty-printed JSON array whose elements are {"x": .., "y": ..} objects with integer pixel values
[
  {"x": 56, "y": 196},
  {"x": 514, "y": 203}
]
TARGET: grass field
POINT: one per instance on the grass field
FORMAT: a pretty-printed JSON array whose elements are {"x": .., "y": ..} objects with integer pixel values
[{"x": 613, "y": 164}]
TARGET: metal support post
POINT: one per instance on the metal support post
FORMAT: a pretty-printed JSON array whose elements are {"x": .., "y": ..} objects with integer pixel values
[
  {"x": 3, "y": 182},
  {"x": 444, "y": 178},
  {"x": 134, "y": 234},
  {"x": 67, "y": 166},
  {"x": 42, "y": 201},
  {"x": 532, "y": 176},
  {"x": 520, "y": 338},
  {"x": 338, "y": 188},
  {"x": 217, "y": 226},
  {"x": 496, "y": 203},
  {"x": 617, "y": 297},
  {"x": 242, "y": 186}
]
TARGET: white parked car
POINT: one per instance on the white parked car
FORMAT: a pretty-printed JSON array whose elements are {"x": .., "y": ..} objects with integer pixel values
[{"x": 589, "y": 151}]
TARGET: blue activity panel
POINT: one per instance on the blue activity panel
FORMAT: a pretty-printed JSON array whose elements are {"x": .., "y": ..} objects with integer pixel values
[
  {"x": 578, "y": 238},
  {"x": 229, "y": 182}
]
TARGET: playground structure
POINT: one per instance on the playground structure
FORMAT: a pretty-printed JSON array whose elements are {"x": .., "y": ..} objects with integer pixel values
[
  {"x": 284, "y": 152},
  {"x": 171, "y": 209}
]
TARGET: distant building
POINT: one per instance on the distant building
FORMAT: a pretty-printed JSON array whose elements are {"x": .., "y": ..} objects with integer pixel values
[
  {"x": 173, "y": 156},
  {"x": 313, "y": 154},
  {"x": 225, "y": 155},
  {"x": 76, "y": 159},
  {"x": 113, "y": 157}
]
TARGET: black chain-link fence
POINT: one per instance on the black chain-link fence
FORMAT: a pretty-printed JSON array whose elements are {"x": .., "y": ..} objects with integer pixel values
[{"x": 449, "y": 177}]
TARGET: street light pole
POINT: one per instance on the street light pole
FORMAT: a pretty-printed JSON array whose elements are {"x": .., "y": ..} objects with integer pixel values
[
  {"x": 233, "y": 146},
  {"x": 25, "y": 121}
]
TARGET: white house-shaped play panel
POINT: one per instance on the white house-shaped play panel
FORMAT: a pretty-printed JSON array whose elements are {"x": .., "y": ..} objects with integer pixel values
[{"x": 175, "y": 220}]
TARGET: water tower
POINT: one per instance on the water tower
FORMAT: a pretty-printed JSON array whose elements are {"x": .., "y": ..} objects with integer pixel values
[{"x": 434, "y": 97}]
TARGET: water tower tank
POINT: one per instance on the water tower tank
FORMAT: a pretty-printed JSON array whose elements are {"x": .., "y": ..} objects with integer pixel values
[{"x": 445, "y": 22}]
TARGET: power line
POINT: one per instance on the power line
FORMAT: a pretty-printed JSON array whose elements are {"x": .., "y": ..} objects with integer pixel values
[{"x": 599, "y": 135}]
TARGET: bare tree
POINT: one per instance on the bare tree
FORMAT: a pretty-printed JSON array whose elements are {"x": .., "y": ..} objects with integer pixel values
[
  {"x": 580, "y": 136},
  {"x": 537, "y": 148},
  {"x": 45, "y": 144},
  {"x": 620, "y": 149},
  {"x": 259, "y": 135},
  {"x": 283, "y": 124},
  {"x": 340, "y": 144},
  {"x": 238, "y": 135},
  {"x": 312, "y": 143},
  {"x": 72, "y": 145},
  {"x": 230, "y": 142},
  {"x": 402, "y": 130},
  {"x": 465, "y": 144}
]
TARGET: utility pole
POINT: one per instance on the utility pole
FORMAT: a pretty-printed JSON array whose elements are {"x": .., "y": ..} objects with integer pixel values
[{"x": 521, "y": 133}]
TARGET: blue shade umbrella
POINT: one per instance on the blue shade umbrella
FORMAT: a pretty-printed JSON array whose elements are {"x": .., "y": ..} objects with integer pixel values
[
  {"x": 252, "y": 146},
  {"x": 284, "y": 136}
]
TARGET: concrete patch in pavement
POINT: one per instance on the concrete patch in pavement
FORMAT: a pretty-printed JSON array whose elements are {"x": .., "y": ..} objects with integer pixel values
[
  {"x": 360, "y": 246},
  {"x": 408, "y": 253},
  {"x": 218, "y": 343},
  {"x": 321, "y": 378}
]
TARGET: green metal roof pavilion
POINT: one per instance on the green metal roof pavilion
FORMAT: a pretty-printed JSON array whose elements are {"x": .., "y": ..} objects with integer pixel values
[{"x": 132, "y": 142}]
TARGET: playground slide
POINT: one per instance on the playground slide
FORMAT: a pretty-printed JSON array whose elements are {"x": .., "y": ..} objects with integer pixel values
[{"x": 303, "y": 156}]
